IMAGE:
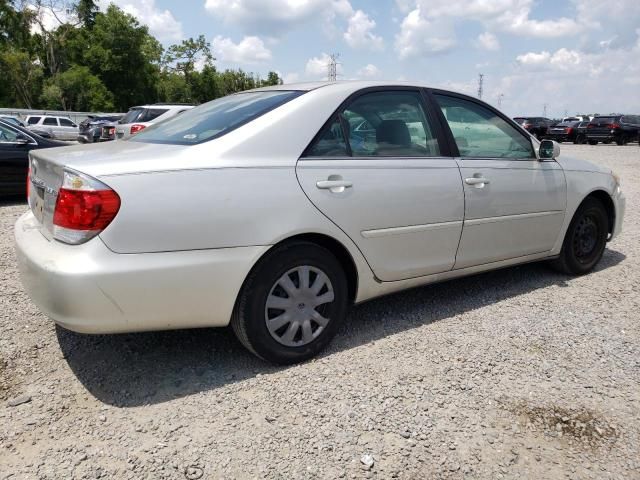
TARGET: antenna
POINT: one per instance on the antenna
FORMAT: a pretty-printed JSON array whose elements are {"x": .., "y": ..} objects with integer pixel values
[
  {"x": 480, "y": 85},
  {"x": 332, "y": 67}
]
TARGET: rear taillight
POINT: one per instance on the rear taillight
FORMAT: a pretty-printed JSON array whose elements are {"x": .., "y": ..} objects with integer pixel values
[
  {"x": 136, "y": 128},
  {"x": 591, "y": 125},
  {"x": 613, "y": 125},
  {"x": 84, "y": 207},
  {"x": 112, "y": 131},
  {"x": 568, "y": 130},
  {"x": 28, "y": 183}
]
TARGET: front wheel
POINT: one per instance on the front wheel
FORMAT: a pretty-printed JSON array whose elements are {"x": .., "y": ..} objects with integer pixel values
[
  {"x": 593, "y": 142},
  {"x": 585, "y": 239},
  {"x": 291, "y": 304}
]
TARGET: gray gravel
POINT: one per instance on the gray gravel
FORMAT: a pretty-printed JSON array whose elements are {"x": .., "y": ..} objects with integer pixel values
[{"x": 519, "y": 373}]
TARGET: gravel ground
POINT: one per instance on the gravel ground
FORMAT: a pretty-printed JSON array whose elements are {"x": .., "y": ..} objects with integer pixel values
[{"x": 518, "y": 373}]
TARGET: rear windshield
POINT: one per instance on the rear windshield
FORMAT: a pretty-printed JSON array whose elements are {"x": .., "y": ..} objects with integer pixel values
[
  {"x": 604, "y": 119},
  {"x": 215, "y": 118},
  {"x": 132, "y": 115}
]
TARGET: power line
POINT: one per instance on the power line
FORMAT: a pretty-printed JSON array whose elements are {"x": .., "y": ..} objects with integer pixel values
[{"x": 480, "y": 85}]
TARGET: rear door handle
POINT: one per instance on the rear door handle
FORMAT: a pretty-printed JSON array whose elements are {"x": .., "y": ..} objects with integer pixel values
[
  {"x": 478, "y": 181},
  {"x": 335, "y": 186}
]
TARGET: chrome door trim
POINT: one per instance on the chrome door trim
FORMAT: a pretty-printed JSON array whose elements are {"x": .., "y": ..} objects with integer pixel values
[
  {"x": 383, "y": 232},
  {"x": 480, "y": 221}
]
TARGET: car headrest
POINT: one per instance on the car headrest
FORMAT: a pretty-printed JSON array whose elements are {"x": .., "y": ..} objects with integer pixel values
[{"x": 393, "y": 133}]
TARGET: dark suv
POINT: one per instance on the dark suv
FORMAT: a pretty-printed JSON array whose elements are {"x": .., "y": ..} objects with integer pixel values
[
  {"x": 564, "y": 132},
  {"x": 536, "y": 126},
  {"x": 613, "y": 128}
]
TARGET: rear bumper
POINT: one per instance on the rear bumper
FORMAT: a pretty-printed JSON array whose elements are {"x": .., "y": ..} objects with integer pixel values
[{"x": 90, "y": 289}]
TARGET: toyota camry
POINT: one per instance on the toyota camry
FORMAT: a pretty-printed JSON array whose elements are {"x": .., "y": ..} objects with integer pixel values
[{"x": 275, "y": 209}]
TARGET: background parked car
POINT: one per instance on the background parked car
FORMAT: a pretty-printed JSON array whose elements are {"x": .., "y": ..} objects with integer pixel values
[
  {"x": 13, "y": 119},
  {"x": 61, "y": 128},
  {"x": 613, "y": 128},
  {"x": 536, "y": 126},
  {"x": 90, "y": 130},
  {"x": 581, "y": 132},
  {"x": 563, "y": 132},
  {"x": 138, "y": 118},
  {"x": 15, "y": 144}
]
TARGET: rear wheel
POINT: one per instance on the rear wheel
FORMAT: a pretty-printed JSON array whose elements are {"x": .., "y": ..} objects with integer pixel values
[
  {"x": 585, "y": 239},
  {"x": 621, "y": 141},
  {"x": 291, "y": 304}
]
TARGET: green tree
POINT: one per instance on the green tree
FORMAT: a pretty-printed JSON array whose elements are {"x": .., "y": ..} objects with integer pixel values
[
  {"x": 87, "y": 10},
  {"x": 77, "y": 89},
  {"x": 125, "y": 57},
  {"x": 184, "y": 59}
]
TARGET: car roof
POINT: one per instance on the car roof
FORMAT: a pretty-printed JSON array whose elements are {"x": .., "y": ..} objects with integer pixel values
[
  {"x": 162, "y": 105},
  {"x": 341, "y": 85}
]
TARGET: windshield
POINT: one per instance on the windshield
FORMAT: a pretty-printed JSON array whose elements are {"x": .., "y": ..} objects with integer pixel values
[
  {"x": 132, "y": 115},
  {"x": 214, "y": 118}
]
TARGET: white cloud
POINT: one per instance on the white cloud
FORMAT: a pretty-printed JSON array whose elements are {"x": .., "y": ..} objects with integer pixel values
[
  {"x": 275, "y": 17},
  {"x": 318, "y": 67},
  {"x": 419, "y": 36},
  {"x": 359, "y": 32},
  {"x": 369, "y": 71},
  {"x": 533, "y": 58},
  {"x": 250, "y": 50},
  {"x": 488, "y": 41},
  {"x": 162, "y": 24}
]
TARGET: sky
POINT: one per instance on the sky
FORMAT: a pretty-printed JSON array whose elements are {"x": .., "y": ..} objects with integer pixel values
[{"x": 574, "y": 56}]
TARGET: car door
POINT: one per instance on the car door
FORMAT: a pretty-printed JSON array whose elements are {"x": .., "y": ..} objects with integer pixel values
[
  {"x": 50, "y": 124},
  {"x": 13, "y": 161},
  {"x": 514, "y": 203},
  {"x": 394, "y": 191}
]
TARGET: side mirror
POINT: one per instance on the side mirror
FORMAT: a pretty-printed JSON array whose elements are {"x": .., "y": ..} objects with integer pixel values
[
  {"x": 21, "y": 139},
  {"x": 549, "y": 149}
]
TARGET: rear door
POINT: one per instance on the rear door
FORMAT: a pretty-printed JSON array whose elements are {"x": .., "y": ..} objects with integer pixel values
[
  {"x": 514, "y": 203},
  {"x": 50, "y": 124},
  {"x": 381, "y": 172},
  {"x": 68, "y": 129},
  {"x": 13, "y": 161}
]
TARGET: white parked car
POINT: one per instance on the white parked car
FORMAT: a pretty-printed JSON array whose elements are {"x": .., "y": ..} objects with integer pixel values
[
  {"x": 61, "y": 128},
  {"x": 269, "y": 210},
  {"x": 139, "y": 118}
]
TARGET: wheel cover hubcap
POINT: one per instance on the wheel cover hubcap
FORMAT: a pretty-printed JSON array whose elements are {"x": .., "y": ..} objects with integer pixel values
[
  {"x": 297, "y": 304},
  {"x": 585, "y": 238}
]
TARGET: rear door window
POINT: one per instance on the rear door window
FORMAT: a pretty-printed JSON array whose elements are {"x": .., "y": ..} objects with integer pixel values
[
  {"x": 65, "y": 122},
  {"x": 132, "y": 115},
  {"x": 33, "y": 120},
  {"x": 50, "y": 121},
  {"x": 330, "y": 142}
]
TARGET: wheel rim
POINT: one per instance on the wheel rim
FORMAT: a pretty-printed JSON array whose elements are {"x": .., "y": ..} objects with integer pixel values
[
  {"x": 297, "y": 305},
  {"x": 585, "y": 238}
]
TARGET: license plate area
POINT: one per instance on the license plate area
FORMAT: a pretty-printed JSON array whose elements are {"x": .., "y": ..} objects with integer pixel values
[{"x": 37, "y": 202}]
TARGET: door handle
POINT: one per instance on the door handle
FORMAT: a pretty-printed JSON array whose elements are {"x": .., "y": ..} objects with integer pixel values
[
  {"x": 335, "y": 186},
  {"x": 478, "y": 181}
]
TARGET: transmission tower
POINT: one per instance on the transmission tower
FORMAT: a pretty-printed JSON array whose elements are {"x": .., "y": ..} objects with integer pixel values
[
  {"x": 544, "y": 111},
  {"x": 500, "y": 97},
  {"x": 480, "y": 85},
  {"x": 332, "y": 67}
]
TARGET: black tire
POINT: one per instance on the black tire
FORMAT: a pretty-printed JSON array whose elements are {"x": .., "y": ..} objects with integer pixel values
[
  {"x": 585, "y": 239},
  {"x": 249, "y": 319},
  {"x": 593, "y": 142},
  {"x": 607, "y": 142}
]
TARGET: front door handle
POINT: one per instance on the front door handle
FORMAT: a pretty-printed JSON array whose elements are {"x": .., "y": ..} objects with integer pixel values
[
  {"x": 335, "y": 186},
  {"x": 476, "y": 181}
]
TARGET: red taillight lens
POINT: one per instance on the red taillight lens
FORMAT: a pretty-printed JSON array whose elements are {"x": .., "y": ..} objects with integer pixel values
[
  {"x": 136, "y": 128},
  {"x": 613, "y": 125},
  {"x": 568, "y": 130},
  {"x": 84, "y": 207},
  {"x": 591, "y": 125},
  {"x": 112, "y": 131},
  {"x": 85, "y": 210}
]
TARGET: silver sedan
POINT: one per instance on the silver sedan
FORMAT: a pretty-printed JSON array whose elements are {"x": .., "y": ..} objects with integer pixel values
[{"x": 276, "y": 209}]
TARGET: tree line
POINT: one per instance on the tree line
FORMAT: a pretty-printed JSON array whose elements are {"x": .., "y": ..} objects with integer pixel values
[{"x": 103, "y": 61}]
